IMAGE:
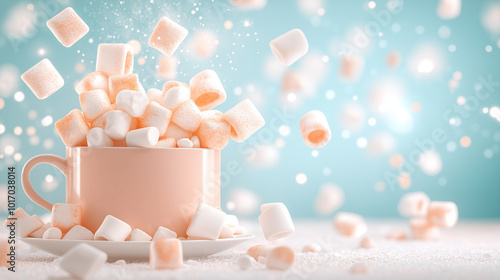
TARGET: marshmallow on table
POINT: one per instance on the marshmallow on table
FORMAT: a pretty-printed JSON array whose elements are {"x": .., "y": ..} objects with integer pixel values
[
  {"x": 52, "y": 233},
  {"x": 43, "y": 79},
  {"x": 132, "y": 102},
  {"x": 175, "y": 96},
  {"x": 245, "y": 262},
  {"x": 97, "y": 138},
  {"x": 139, "y": 235},
  {"x": 94, "y": 103},
  {"x": 4, "y": 250},
  {"x": 163, "y": 232},
  {"x": 167, "y": 36},
  {"x": 290, "y": 46},
  {"x": 93, "y": 81},
  {"x": 423, "y": 230},
  {"x": 166, "y": 143},
  {"x": 315, "y": 129},
  {"x": 350, "y": 224},
  {"x": 196, "y": 141},
  {"x": 442, "y": 213},
  {"x": 115, "y": 59},
  {"x": 184, "y": 143},
  {"x": 157, "y": 116},
  {"x": 449, "y": 9},
  {"x": 414, "y": 204},
  {"x": 118, "y": 83},
  {"x": 231, "y": 221},
  {"x": 83, "y": 261},
  {"x": 280, "y": 258},
  {"x": 112, "y": 229},
  {"x": 117, "y": 124},
  {"x": 154, "y": 95},
  {"x": 275, "y": 221},
  {"x": 311, "y": 248},
  {"x": 367, "y": 243},
  {"x": 207, "y": 90},
  {"x": 175, "y": 132},
  {"x": 39, "y": 232},
  {"x": 257, "y": 251},
  {"x": 244, "y": 119},
  {"x": 167, "y": 67},
  {"x": 206, "y": 222},
  {"x": 68, "y": 27},
  {"x": 187, "y": 116},
  {"x": 143, "y": 137},
  {"x": 65, "y": 216},
  {"x": 79, "y": 233},
  {"x": 73, "y": 129},
  {"x": 165, "y": 253},
  {"x": 25, "y": 224},
  {"x": 226, "y": 232},
  {"x": 396, "y": 234}
]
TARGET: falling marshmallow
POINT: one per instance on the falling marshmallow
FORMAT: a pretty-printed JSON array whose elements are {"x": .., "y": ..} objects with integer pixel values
[
  {"x": 167, "y": 36},
  {"x": 115, "y": 59},
  {"x": 43, "y": 79},
  {"x": 315, "y": 129},
  {"x": 290, "y": 46},
  {"x": 414, "y": 204},
  {"x": 68, "y": 27},
  {"x": 83, "y": 261},
  {"x": 449, "y": 9},
  {"x": 330, "y": 198},
  {"x": 275, "y": 221}
]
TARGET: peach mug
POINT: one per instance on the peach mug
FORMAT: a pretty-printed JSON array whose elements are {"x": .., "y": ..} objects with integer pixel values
[{"x": 146, "y": 188}]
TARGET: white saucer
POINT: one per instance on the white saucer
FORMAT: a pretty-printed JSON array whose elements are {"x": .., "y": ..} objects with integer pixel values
[{"x": 137, "y": 250}]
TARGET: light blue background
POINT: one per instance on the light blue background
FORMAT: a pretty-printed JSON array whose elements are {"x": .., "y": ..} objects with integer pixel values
[{"x": 467, "y": 178}]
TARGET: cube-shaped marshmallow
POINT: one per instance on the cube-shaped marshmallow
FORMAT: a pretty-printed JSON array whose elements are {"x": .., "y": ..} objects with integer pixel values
[
  {"x": 73, "y": 129},
  {"x": 113, "y": 229},
  {"x": 24, "y": 223},
  {"x": 165, "y": 253},
  {"x": 442, "y": 213},
  {"x": 68, "y": 27},
  {"x": 206, "y": 222},
  {"x": 115, "y": 59},
  {"x": 93, "y": 81},
  {"x": 83, "y": 261},
  {"x": 167, "y": 36},
  {"x": 156, "y": 116},
  {"x": 167, "y": 67},
  {"x": 118, "y": 83},
  {"x": 187, "y": 116},
  {"x": 155, "y": 95},
  {"x": 175, "y": 132},
  {"x": 94, "y": 103},
  {"x": 244, "y": 119},
  {"x": 43, "y": 79},
  {"x": 174, "y": 97},
  {"x": 65, "y": 216},
  {"x": 207, "y": 90},
  {"x": 214, "y": 134}
]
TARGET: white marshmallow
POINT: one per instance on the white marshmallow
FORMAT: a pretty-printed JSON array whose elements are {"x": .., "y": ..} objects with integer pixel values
[
  {"x": 156, "y": 116},
  {"x": 143, "y": 137},
  {"x": 52, "y": 233},
  {"x": 442, "y": 214},
  {"x": 350, "y": 224},
  {"x": 231, "y": 221},
  {"x": 196, "y": 141},
  {"x": 245, "y": 262},
  {"x": 112, "y": 229},
  {"x": 79, "y": 233},
  {"x": 39, "y": 232},
  {"x": 175, "y": 96},
  {"x": 174, "y": 131},
  {"x": 262, "y": 260},
  {"x": 414, "y": 204},
  {"x": 115, "y": 59},
  {"x": 290, "y": 46},
  {"x": 154, "y": 94},
  {"x": 206, "y": 222},
  {"x": 65, "y": 216},
  {"x": 25, "y": 224},
  {"x": 226, "y": 232},
  {"x": 83, "y": 261},
  {"x": 139, "y": 235},
  {"x": 132, "y": 102},
  {"x": 117, "y": 124},
  {"x": 97, "y": 138},
  {"x": 239, "y": 230},
  {"x": 275, "y": 221},
  {"x": 315, "y": 129},
  {"x": 163, "y": 232},
  {"x": 184, "y": 143},
  {"x": 165, "y": 253}
]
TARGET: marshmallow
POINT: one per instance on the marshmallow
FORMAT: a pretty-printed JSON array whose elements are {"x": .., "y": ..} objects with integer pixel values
[
  {"x": 367, "y": 243},
  {"x": 100, "y": 121},
  {"x": 83, "y": 261},
  {"x": 351, "y": 67},
  {"x": 396, "y": 234},
  {"x": 449, "y": 9},
  {"x": 115, "y": 59},
  {"x": 214, "y": 134},
  {"x": 275, "y": 221},
  {"x": 280, "y": 258},
  {"x": 132, "y": 102},
  {"x": 139, "y": 235},
  {"x": 290, "y": 46},
  {"x": 247, "y": 5},
  {"x": 442, "y": 213},
  {"x": 117, "y": 124},
  {"x": 239, "y": 230},
  {"x": 184, "y": 143},
  {"x": 79, "y": 233},
  {"x": 73, "y": 129},
  {"x": 206, "y": 222},
  {"x": 166, "y": 143},
  {"x": 163, "y": 232},
  {"x": 393, "y": 59},
  {"x": 167, "y": 36},
  {"x": 43, "y": 79},
  {"x": 315, "y": 129},
  {"x": 112, "y": 229},
  {"x": 170, "y": 84},
  {"x": 207, "y": 90},
  {"x": 167, "y": 67},
  {"x": 231, "y": 221},
  {"x": 226, "y": 232},
  {"x": 187, "y": 116},
  {"x": 94, "y": 103},
  {"x": 144, "y": 137},
  {"x": 257, "y": 251},
  {"x": 65, "y": 216},
  {"x": 39, "y": 232},
  {"x": 154, "y": 95},
  {"x": 175, "y": 132},
  {"x": 423, "y": 230},
  {"x": 330, "y": 197},
  {"x": 97, "y": 138},
  {"x": 4, "y": 250},
  {"x": 156, "y": 116},
  {"x": 244, "y": 119},
  {"x": 93, "y": 81},
  {"x": 25, "y": 224},
  {"x": 196, "y": 141},
  {"x": 175, "y": 97},
  {"x": 68, "y": 27},
  {"x": 358, "y": 269},
  {"x": 262, "y": 260},
  {"x": 165, "y": 254},
  {"x": 414, "y": 204},
  {"x": 350, "y": 224},
  {"x": 119, "y": 83},
  {"x": 52, "y": 233},
  {"x": 311, "y": 248},
  {"x": 211, "y": 115},
  {"x": 245, "y": 262}
]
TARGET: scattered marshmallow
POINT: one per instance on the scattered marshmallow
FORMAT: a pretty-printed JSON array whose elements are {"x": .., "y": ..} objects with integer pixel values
[
  {"x": 397, "y": 234},
  {"x": 245, "y": 262},
  {"x": 315, "y": 129},
  {"x": 115, "y": 59},
  {"x": 226, "y": 232},
  {"x": 207, "y": 90},
  {"x": 165, "y": 254},
  {"x": 73, "y": 129},
  {"x": 275, "y": 221},
  {"x": 166, "y": 143},
  {"x": 163, "y": 232},
  {"x": 167, "y": 67},
  {"x": 79, "y": 233},
  {"x": 68, "y": 27},
  {"x": 93, "y": 81},
  {"x": 25, "y": 224},
  {"x": 112, "y": 229},
  {"x": 52, "y": 233},
  {"x": 423, "y": 230},
  {"x": 312, "y": 248},
  {"x": 43, "y": 79},
  {"x": 117, "y": 124},
  {"x": 280, "y": 258},
  {"x": 239, "y": 230},
  {"x": 367, "y": 243},
  {"x": 187, "y": 116},
  {"x": 94, "y": 103},
  {"x": 258, "y": 251},
  {"x": 350, "y": 224},
  {"x": 119, "y": 83},
  {"x": 351, "y": 67},
  {"x": 97, "y": 138},
  {"x": 139, "y": 235},
  {"x": 39, "y": 232},
  {"x": 157, "y": 116},
  {"x": 154, "y": 95},
  {"x": 146, "y": 137},
  {"x": 206, "y": 222},
  {"x": 244, "y": 119},
  {"x": 184, "y": 143},
  {"x": 167, "y": 36},
  {"x": 414, "y": 204},
  {"x": 262, "y": 260},
  {"x": 83, "y": 261},
  {"x": 442, "y": 213},
  {"x": 330, "y": 197},
  {"x": 449, "y": 9},
  {"x": 65, "y": 216},
  {"x": 290, "y": 46},
  {"x": 175, "y": 132},
  {"x": 214, "y": 134},
  {"x": 175, "y": 96}
]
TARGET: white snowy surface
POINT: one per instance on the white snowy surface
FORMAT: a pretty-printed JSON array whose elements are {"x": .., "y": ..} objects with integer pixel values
[{"x": 471, "y": 250}]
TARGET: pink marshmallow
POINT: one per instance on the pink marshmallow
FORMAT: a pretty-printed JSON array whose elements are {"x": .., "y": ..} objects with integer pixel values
[
  {"x": 280, "y": 258},
  {"x": 118, "y": 83},
  {"x": 315, "y": 129},
  {"x": 165, "y": 254},
  {"x": 207, "y": 90},
  {"x": 167, "y": 36},
  {"x": 156, "y": 116},
  {"x": 73, "y": 129},
  {"x": 68, "y": 27},
  {"x": 187, "y": 116},
  {"x": 290, "y": 46},
  {"x": 442, "y": 214},
  {"x": 43, "y": 79},
  {"x": 244, "y": 119},
  {"x": 65, "y": 216},
  {"x": 93, "y": 81},
  {"x": 166, "y": 143},
  {"x": 115, "y": 59},
  {"x": 94, "y": 103}
]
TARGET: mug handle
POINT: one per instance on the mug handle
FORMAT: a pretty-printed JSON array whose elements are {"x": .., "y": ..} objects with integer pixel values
[{"x": 56, "y": 161}]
